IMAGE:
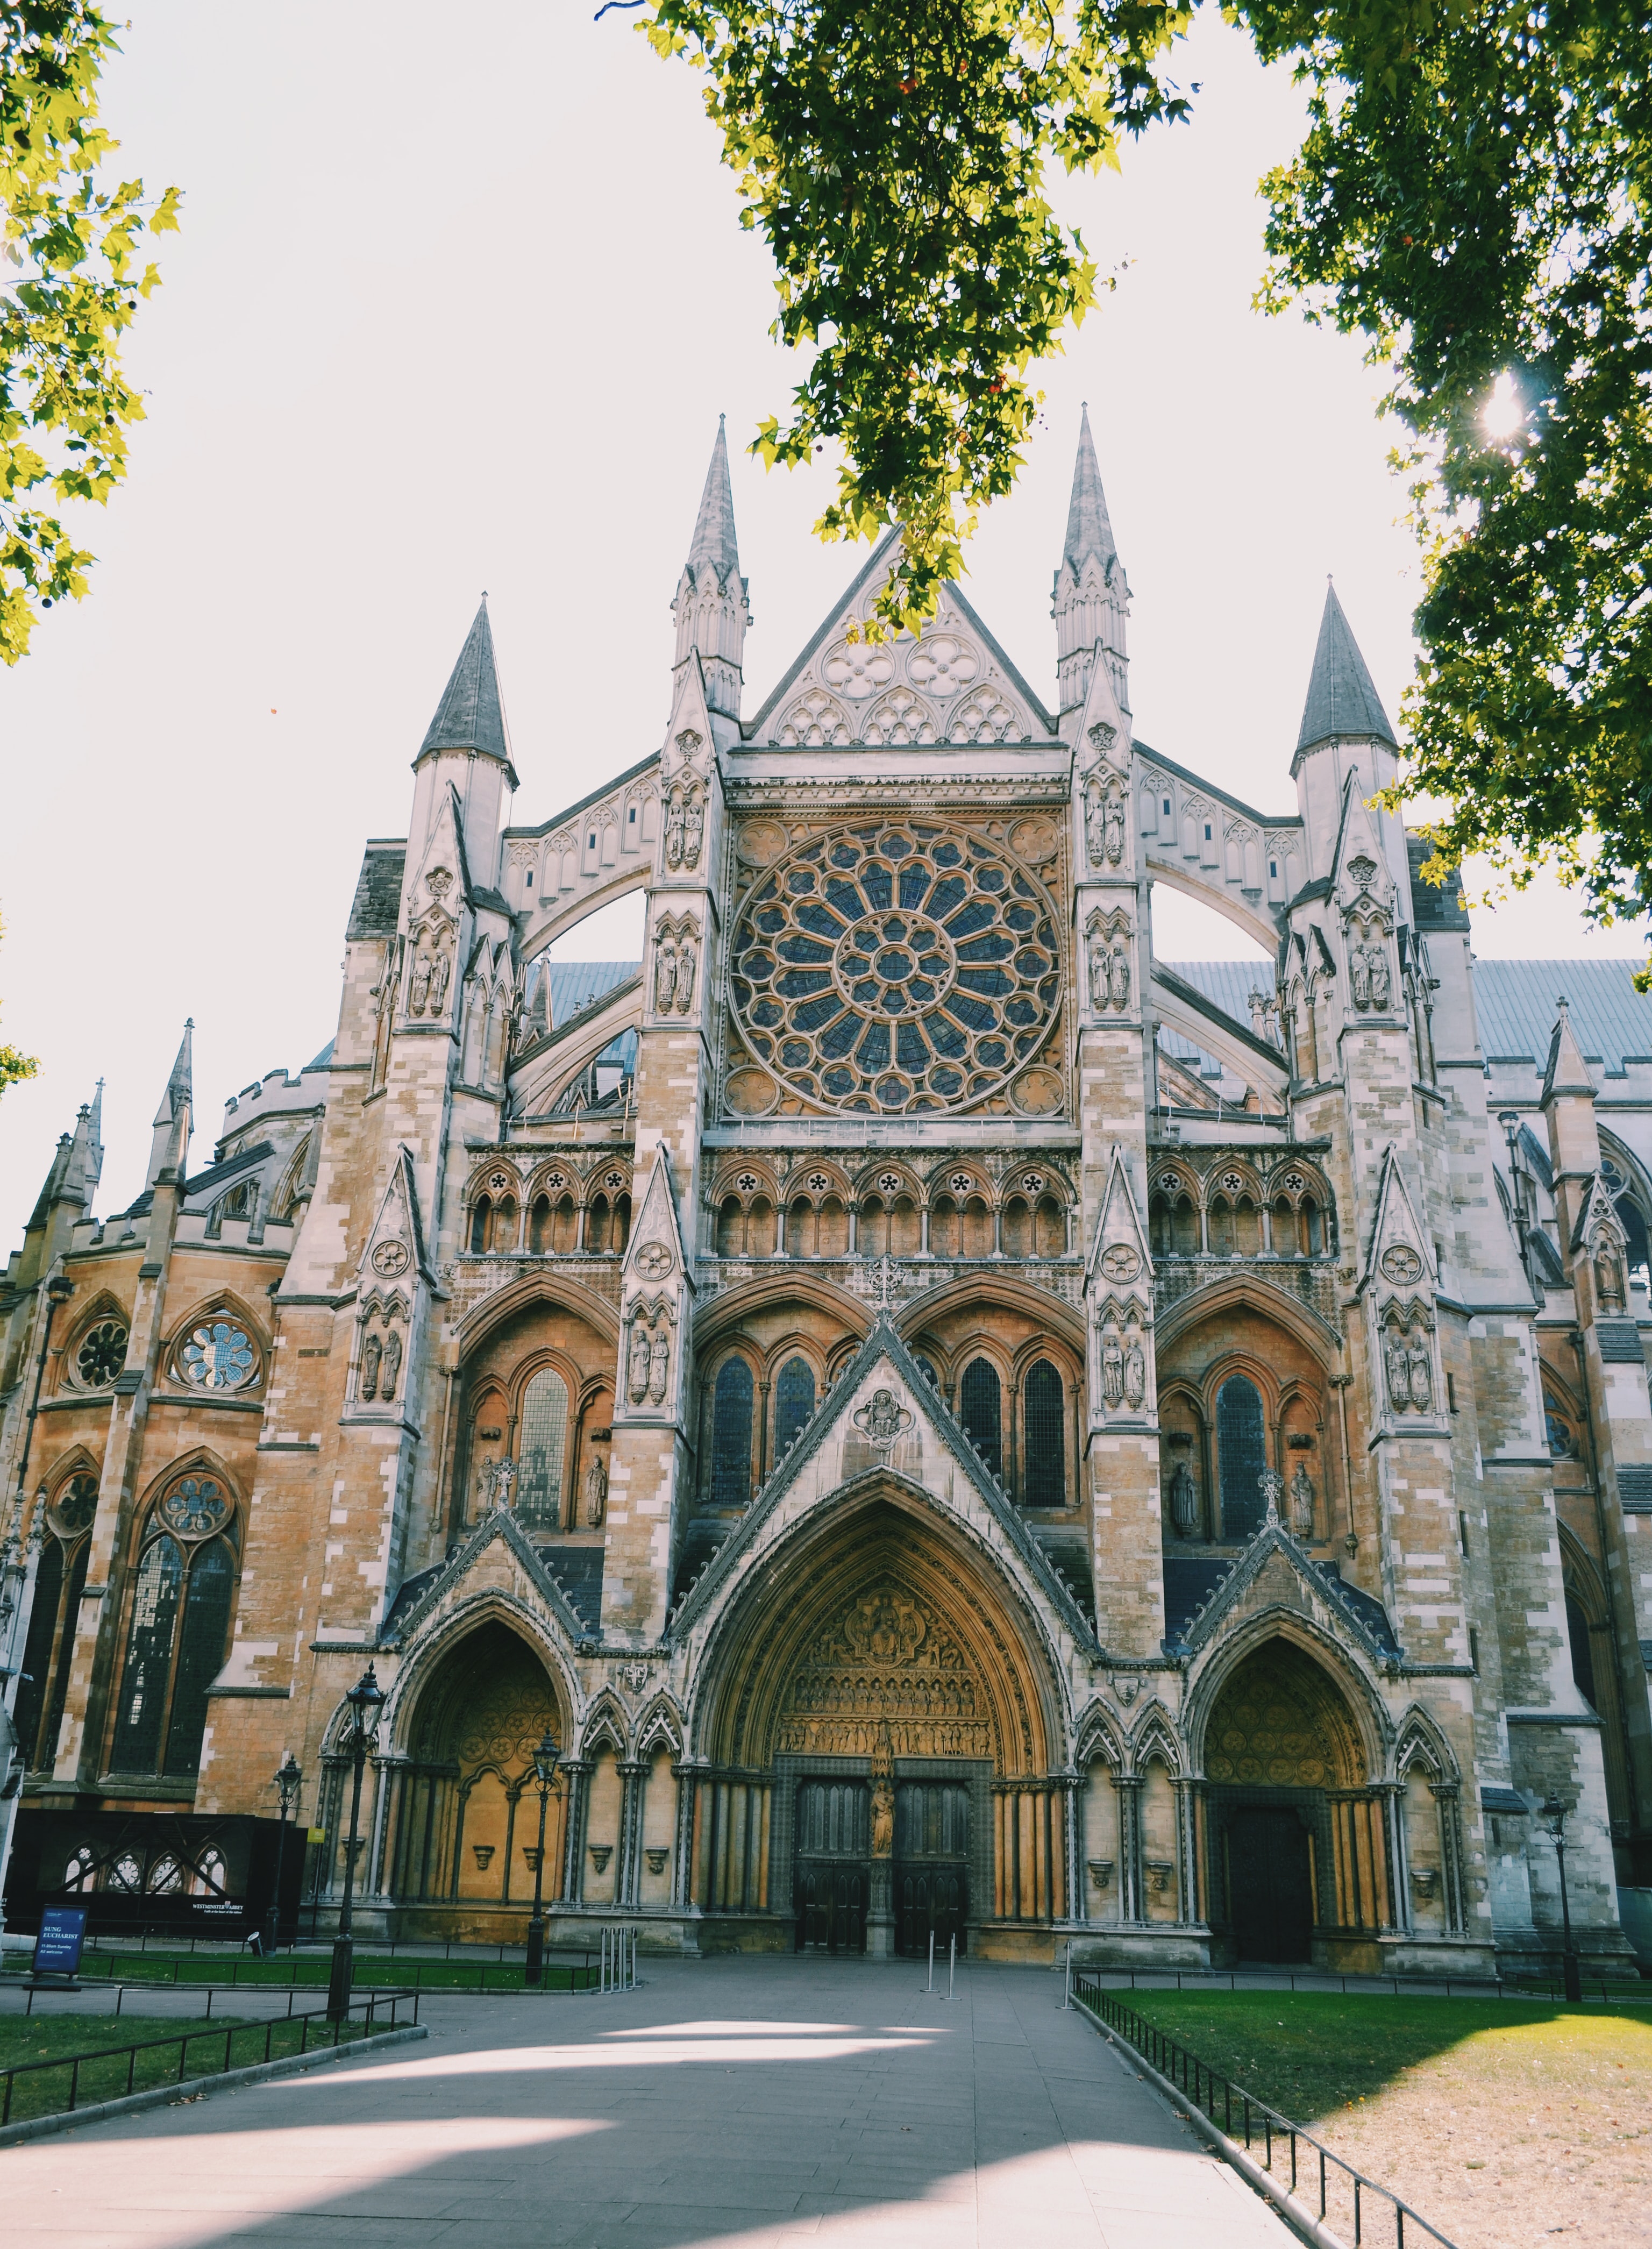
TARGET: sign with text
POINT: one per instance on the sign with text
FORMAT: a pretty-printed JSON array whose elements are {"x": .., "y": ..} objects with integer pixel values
[{"x": 57, "y": 1949}]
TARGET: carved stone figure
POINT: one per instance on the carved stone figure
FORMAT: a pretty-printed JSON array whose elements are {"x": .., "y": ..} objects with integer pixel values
[
  {"x": 1399, "y": 1372},
  {"x": 1112, "y": 1371},
  {"x": 484, "y": 1500},
  {"x": 1098, "y": 966},
  {"x": 1301, "y": 1501},
  {"x": 503, "y": 1482},
  {"x": 693, "y": 830},
  {"x": 1135, "y": 1372},
  {"x": 883, "y": 1820},
  {"x": 884, "y": 1418},
  {"x": 1608, "y": 1277},
  {"x": 1360, "y": 975},
  {"x": 1113, "y": 831},
  {"x": 636, "y": 1364},
  {"x": 660, "y": 1366},
  {"x": 595, "y": 1492},
  {"x": 441, "y": 969},
  {"x": 392, "y": 1366},
  {"x": 1095, "y": 823},
  {"x": 419, "y": 987},
  {"x": 1184, "y": 1501},
  {"x": 372, "y": 1353},
  {"x": 664, "y": 976},
  {"x": 685, "y": 959},
  {"x": 1377, "y": 956},
  {"x": 1118, "y": 978},
  {"x": 1421, "y": 1369},
  {"x": 1272, "y": 1485}
]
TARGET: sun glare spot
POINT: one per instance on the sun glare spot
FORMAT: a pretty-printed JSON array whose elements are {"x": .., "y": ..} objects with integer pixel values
[{"x": 1502, "y": 414}]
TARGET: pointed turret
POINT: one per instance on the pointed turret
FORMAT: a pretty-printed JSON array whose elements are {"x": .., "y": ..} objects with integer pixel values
[
  {"x": 1342, "y": 703},
  {"x": 95, "y": 1127},
  {"x": 470, "y": 715},
  {"x": 169, "y": 1135},
  {"x": 1091, "y": 598},
  {"x": 466, "y": 752},
  {"x": 711, "y": 607}
]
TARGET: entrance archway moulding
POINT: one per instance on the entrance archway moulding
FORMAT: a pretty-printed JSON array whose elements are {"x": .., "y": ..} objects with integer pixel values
[
  {"x": 1268, "y": 1300},
  {"x": 990, "y": 1287},
  {"x": 1346, "y": 1672},
  {"x": 534, "y": 1289},
  {"x": 426, "y": 1652}
]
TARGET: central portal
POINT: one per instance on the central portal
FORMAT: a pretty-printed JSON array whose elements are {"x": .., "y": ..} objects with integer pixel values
[
  {"x": 932, "y": 1865},
  {"x": 834, "y": 1864}
]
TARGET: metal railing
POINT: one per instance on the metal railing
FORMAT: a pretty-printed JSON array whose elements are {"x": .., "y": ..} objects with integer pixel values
[
  {"x": 618, "y": 1960},
  {"x": 334, "y": 2032},
  {"x": 1246, "y": 2119},
  {"x": 302, "y": 1971},
  {"x": 1631, "y": 1989}
]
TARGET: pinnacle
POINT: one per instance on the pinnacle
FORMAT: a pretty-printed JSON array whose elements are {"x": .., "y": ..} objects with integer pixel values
[
  {"x": 713, "y": 541},
  {"x": 1342, "y": 698},
  {"x": 1089, "y": 530},
  {"x": 470, "y": 715}
]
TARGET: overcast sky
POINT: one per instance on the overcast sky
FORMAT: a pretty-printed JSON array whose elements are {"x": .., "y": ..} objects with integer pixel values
[{"x": 457, "y": 303}]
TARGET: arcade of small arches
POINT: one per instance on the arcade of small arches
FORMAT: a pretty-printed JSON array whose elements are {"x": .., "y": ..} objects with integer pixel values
[
  {"x": 958, "y": 1213},
  {"x": 1227, "y": 1208},
  {"x": 558, "y": 1212}
]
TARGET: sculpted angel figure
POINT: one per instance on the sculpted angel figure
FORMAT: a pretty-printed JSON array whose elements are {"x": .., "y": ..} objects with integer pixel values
[
  {"x": 664, "y": 976},
  {"x": 636, "y": 1364},
  {"x": 685, "y": 959},
  {"x": 660, "y": 1366},
  {"x": 392, "y": 1366},
  {"x": 1399, "y": 1373}
]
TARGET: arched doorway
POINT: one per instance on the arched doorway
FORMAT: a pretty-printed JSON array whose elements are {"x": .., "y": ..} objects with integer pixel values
[
  {"x": 465, "y": 1817},
  {"x": 1300, "y": 1846}
]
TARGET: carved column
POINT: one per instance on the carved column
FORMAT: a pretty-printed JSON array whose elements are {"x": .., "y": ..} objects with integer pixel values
[
  {"x": 1132, "y": 1904},
  {"x": 687, "y": 1775},
  {"x": 579, "y": 1771},
  {"x": 1071, "y": 1783},
  {"x": 1446, "y": 1796},
  {"x": 633, "y": 1781}
]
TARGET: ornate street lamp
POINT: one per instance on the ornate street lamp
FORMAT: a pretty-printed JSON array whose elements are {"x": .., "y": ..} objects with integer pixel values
[
  {"x": 1553, "y": 1813},
  {"x": 366, "y": 1699},
  {"x": 288, "y": 1780},
  {"x": 545, "y": 1774}
]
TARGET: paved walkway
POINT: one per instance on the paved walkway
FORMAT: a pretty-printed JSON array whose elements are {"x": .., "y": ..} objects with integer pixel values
[{"x": 744, "y": 2101}]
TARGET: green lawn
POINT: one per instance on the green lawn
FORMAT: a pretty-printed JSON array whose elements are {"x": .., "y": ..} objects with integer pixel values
[
  {"x": 43, "y": 2092},
  {"x": 1500, "y": 2122},
  {"x": 373, "y": 1970}
]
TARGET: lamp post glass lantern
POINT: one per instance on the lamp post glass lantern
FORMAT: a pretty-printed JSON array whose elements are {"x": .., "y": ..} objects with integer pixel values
[
  {"x": 289, "y": 1780},
  {"x": 366, "y": 1699},
  {"x": 1554, "y": 1814},
  {"x": 545, "y": 1776}
]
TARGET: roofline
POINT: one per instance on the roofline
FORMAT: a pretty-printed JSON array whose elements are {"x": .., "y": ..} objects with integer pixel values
[
  {"x": 595, "y": 796},
  {"x": 1215, "y": 788}
]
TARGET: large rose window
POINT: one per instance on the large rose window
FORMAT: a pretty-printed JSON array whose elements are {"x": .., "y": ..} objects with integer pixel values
[{"x": 895, "y": 968}]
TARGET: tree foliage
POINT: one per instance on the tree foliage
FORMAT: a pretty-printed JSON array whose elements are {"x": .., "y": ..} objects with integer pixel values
[
  {"x": 1473, "y": 194},
  {"x": 71, "y": 280}
]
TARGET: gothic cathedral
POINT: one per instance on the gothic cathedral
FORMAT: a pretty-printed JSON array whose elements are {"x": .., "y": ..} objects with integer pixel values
[{"x": 948, "y": 1421}]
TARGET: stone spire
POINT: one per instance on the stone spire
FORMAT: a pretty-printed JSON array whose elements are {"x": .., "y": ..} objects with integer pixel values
[
  {"x": 1091, "y": 599},
  {"x": 169, "y": 1135},
  {"x": 1343, "y": 702},
  {"x": 711, "y": 607},
  {"x": 470, "y": 715},
  {"x": 95, "y": 1126}
]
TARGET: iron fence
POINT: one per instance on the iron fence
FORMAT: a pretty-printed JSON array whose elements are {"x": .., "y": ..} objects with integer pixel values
[
  {"x": 108, "y": 2059},
  {"x": 1248, "y": 2120},
  {"x": 262, "y": 1971}
]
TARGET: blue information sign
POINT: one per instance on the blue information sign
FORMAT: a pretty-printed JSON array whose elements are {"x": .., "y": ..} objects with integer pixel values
[{"x": 57, "y": 1950}]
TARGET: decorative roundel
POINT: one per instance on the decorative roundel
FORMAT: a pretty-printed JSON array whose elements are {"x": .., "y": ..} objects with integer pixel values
[
  {"x": 102, "y": 1354},
  {"x": 391, "y": 1258},
  {"x": 1401, "y": 1264},
  {"x": 218, "y": 1355},
  {"x": 75, "y": 1505},
  {"x": 895, "y": 968},
  {"x": 195, "y": 1507},
  {"x": 654, "y": 1260}
]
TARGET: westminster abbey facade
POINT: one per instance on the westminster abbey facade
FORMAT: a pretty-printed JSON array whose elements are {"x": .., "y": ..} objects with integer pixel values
[{"x": 952, "y": 1422}]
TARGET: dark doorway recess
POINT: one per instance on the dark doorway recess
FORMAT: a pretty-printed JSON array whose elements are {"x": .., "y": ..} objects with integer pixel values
[
  {"x": 1269, "y": 1882},
  {"x": 932, "y": 1865},
  {"x": 834, "y": 1864}
]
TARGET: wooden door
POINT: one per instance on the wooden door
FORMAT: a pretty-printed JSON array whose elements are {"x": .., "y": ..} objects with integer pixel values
[
  {"x": 931, "y": 1865},
  {"x": 1270, "y": 1884},
  {"x": 834, "y": 1864}
]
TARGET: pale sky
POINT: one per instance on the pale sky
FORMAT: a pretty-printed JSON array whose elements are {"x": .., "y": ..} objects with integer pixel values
[{"x": 457, "y": 303}]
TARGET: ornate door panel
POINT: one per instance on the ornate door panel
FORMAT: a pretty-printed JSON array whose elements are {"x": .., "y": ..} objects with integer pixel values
[
  {"x": 932, "y": 1865},
  {"x": 834, "y": 1853},
  {"x": 1269, "y": 1883}
]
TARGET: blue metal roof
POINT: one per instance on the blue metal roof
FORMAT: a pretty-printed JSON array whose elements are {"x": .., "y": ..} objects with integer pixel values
[
  {"x": 1515, "y": 1003},
  {"x": 1227, "y": 984}
]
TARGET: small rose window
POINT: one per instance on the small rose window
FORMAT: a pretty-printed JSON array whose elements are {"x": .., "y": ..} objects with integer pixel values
[
  {"x": 218, "y": 1355},
  {"x": 102, "y": 1354},
  {"x": 195, "y": 1507}
]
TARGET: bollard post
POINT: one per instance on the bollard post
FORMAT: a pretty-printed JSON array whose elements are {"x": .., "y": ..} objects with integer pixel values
[
  {"x": 1066, "y": 1997},
  {"x": 931, "y": 1959},
  {"x": 952, "y": 1963}
]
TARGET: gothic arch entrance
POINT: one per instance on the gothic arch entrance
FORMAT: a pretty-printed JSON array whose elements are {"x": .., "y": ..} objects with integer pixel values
[{"x": 1300, "y": 1846}]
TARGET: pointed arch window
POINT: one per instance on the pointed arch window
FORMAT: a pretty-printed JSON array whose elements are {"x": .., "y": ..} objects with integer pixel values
[
  {"x": 60, "y": 1577},
  {"x": 793, "y": 1404},
  {"x": 1242, "y": 1454},
  {"x": 980, "y": 1410},
  {"x": 1045, "y": 1482},
  {"x": 183, "y": 1591},
  {"x": 543, "y": 1449},
  {"x": 732, "y": 1435}
]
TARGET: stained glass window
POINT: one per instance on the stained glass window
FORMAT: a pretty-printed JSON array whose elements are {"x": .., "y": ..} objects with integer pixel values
[
  {"x": 102, "y": 1354},
  {"x": 218, "y": 1355},
  {"x": 980, "y": 1410},
  {"x": 1242, "y": 1454},
  {"x": 1045, "y": 1437},
  {"x": 144, "y": 1682},
  {"x": 206, "y": 1628},
  {"x": 544, "y": 1447},
  {"x": 179, "y": 1628},
  {"x": 793, "y": 1404},
  {"x": 196, "y": 1506},
  {"x": 732, "y": 1435}
]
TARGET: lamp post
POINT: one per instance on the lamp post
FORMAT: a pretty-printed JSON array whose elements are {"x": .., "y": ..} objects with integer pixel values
[
  {"x": 366, "y": 1699},
  {"x": 545, "y": 1774},
  {"x": 1555, "y": 1814},
  {"x": 288, "y": 1780}
]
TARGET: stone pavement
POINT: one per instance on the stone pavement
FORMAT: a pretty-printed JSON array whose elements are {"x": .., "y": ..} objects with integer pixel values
[{"x": 744, "y": 2101}]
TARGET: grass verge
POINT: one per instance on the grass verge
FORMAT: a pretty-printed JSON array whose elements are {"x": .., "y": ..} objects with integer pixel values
[
  {"x": 1500, "y": 2122},
  {"x": 113, "y": 2070},
  {"x": 310, "y": 1971}
]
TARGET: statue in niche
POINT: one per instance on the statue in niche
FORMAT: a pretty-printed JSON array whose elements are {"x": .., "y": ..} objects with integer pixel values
[
  {"x": 1608, "y": 1277},
  {"x": 1118, "y": 978},
  {"x": 1301, "y": 1501},
  {"x": 372, "y": 1353},
  {"x": 595, "y": 1492},
  {"x": 1272, "y": 1485},
  {"x": 1112, "y": 838},
  {"x": 392, "y": 1366},
  {"x": 693, "y": 829},
  {"x": 419, "y": 985},
  {"x": 441, "y": 969},
  {"x": 483, "y": 1501},
  {"x": 1135, "y": 1372},
  {"x": 1398, "y": 1368},
  {"x": 1100, "y": 964},
  {"x": 1184, "y": 1501},
  {"x": 664, "y": 976},
  {"x": 503, "y": 1482},
  {"x": 1113, "y": 1369},
  {"x": 685, "y": 962},
  {"x": 1095, "y": 822},
  {"x": 1422, "y": 1374},
  {"x": 1377, "y": 956},
  {"x": 674, "y": 830},
  {"x": 636, "y": 1364},
  {"x": 883, "y": 1820},
  {"x": 1359, "y": 976},
  {"x": 660, "y": 1366}
]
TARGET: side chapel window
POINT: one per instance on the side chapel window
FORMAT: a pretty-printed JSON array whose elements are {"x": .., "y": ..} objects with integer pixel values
[
  {"x": 183, "y": 1593},
  {"x": 793, "y": 1404},
  {"x": 1044, "y": 1423},
  {"x": 60, "y": 1575},
  {"x": 732, "y": 1435},
  {"x": 544, "y": 1447},
  {"x": 980, "y": 1410},
  {"x": 1242, "y": 1456}
]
